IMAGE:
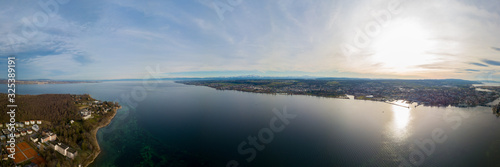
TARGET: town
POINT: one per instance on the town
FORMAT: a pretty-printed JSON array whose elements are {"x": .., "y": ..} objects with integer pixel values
[
  {"x": 49, "y": 143},
  {"x": 451, "y": 92}
]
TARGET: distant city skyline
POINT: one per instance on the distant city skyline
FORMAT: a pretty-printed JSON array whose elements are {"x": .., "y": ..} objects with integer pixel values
[{"x": 401, "y": 39}]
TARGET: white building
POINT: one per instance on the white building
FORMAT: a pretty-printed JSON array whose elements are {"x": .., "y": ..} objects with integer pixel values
[
  {"x": 34, "y": 139},
  {"x": 71, "y": 153},
  {"x": 86, "y": 114},
  {"x": 65, "y": 150},
  {"x": 35, "y": 128}
]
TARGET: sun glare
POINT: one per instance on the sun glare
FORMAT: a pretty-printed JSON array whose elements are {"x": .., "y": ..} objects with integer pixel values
[
  {"x": 402, "y": 47},
  {"x": 401, "y": 119}
]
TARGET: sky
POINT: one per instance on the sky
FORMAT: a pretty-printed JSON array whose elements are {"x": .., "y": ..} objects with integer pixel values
[{"x": 119, "y": 39}]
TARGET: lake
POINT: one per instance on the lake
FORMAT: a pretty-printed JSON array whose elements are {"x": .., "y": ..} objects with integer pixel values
[{"x": 171, "y": 124}]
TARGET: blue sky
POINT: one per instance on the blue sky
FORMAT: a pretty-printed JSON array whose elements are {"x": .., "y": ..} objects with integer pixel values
[{"x": 117, "y": 39}]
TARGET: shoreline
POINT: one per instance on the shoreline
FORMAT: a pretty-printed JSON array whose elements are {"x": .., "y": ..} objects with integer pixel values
[
  {"x": 94, "y": 141},
  {"x": 345, "y": 97}
]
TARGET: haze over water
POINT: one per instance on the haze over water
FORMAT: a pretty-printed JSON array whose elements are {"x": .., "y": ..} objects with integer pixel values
[{"x": 177, "y": 123}]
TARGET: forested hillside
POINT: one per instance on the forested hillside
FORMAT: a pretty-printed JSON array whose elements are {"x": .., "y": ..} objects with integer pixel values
[{"x": 48, "y": 107}]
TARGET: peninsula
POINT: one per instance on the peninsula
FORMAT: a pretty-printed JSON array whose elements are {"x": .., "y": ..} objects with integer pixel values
[{"x": 55, "y": 129}]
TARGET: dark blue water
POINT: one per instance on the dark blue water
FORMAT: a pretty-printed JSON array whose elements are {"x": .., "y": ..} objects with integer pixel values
[{"x": 172, "y": 124}]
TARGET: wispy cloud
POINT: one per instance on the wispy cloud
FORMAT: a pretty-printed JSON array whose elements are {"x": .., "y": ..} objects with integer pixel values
[
  {"x": 472, "y": 70},
  {"x": 479, "y": 64},
  {"x": 492, "y": 62}
]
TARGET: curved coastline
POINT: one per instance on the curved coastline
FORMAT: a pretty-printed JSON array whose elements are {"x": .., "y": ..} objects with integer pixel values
[{"x": 94, "y": 141}]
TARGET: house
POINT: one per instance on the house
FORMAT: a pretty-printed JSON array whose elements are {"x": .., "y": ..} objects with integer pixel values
[
  {"x": 23, "y": 133},
  {"x": 32, "y": 122},
  {"x": 39, "y": 122},
  {"x": 1, "y": 125},
  {"x": 17, "y": 135},
  {"x": 26, "y": 122},
  {"x": 35, "y": 128},
  {"x": 2, "y": 137},
  {"x": 29, "y": 131},
  {"x": 86, "y": 114},
  {"x": 34, "y": 138}
]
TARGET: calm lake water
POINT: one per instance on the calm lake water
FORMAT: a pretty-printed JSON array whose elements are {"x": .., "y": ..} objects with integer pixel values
[{"x": 180, "y": 125}]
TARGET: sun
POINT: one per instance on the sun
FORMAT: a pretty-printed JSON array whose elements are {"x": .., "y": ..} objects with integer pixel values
[{"x": 402, "y": 47}]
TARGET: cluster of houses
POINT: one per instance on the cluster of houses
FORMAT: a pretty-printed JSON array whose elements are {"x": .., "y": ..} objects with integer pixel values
[
  {"x": 22, "y": 129},
  {"x": 86, "y": 113}
]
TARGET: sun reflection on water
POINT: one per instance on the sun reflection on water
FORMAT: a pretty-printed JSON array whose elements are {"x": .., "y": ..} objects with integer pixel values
[{"x": 401, "y": 119}]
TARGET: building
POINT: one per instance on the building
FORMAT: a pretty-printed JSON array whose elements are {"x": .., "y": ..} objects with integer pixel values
[
  {"x": 1, "y": 125},
  {"x": 34, "y": 138},
  {"x": 26, "y": 122},
  {"x": 61, "y": 148},
  {"x": 23, "y": 133},
  {"x": 46, "y": 132},
  {"x": 52, "y": 144},
  {"x": 29, "y": 131},
  {"x": 71, "y": 153},
  {"x": 86, "y": 117},
  {"x": 2, "y": 137},
  {"x": 39, "y": 122},
  {"x": 5, "y": 131},
  {"x": 32, "y": 122},
  {"x": 86, "y": 114},
  {"x": 17, "y": 135},
  {"x": 65, "y": 150},
  {"x": 48, "y": 137},
  {"x": 35, "y": 128}
]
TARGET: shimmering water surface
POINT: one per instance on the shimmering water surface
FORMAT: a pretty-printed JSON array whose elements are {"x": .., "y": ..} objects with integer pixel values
[{"x": 180, "y": 125}]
